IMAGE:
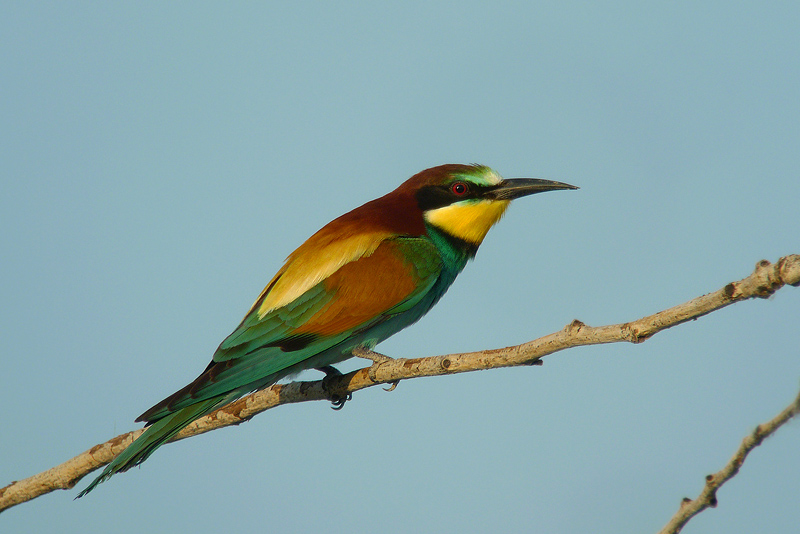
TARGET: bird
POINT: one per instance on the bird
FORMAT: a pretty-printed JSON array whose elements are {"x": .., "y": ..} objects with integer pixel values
[{"x": 360, "y": 279}]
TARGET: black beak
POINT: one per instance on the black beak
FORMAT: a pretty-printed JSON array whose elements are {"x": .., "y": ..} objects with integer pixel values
[{"x": 520, "y": 187}]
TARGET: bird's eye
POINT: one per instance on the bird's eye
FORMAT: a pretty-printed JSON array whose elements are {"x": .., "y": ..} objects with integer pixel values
[{"x": 459, "y": 188}]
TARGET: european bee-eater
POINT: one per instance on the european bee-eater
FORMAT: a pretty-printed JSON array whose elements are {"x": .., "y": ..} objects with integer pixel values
[{"x": 360, "y": 279}]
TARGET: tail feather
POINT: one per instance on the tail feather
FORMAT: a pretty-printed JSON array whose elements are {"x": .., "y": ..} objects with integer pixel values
[{"x": 158, "y": 433}]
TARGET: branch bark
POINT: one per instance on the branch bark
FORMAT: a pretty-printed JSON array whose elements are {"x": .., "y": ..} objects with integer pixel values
[
  {"x": 763, "y": 282},
  {"x": 708, "y": 497}
]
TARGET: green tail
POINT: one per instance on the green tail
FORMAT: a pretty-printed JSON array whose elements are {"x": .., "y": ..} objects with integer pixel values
[{"x": 154, "y": 436}]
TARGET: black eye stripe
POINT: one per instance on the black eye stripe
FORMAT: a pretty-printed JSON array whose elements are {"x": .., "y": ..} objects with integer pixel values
[{"x": 437, "y": 196}]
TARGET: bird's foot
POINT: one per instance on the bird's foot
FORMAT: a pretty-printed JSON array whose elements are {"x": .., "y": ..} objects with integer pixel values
[
  {"x": 377, "y": 359},
  {"x": 337, "y": 400}
]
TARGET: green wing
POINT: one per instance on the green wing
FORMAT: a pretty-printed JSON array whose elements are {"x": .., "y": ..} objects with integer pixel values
[{"x": 264, "y": 349}]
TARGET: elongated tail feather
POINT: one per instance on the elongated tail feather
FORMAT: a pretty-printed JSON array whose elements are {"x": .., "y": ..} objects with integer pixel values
[{"x": 154, "y": 436}]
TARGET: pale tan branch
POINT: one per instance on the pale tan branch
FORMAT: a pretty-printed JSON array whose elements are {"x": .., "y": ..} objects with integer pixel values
[
  {"x": 708, "y": 497},
  {"x": 764, "y": 281}
]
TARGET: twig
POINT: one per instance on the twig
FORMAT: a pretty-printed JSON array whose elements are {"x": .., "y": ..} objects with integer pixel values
[
  {"x": 708, "y": 497},
  {"x": 763, "y": 282}
]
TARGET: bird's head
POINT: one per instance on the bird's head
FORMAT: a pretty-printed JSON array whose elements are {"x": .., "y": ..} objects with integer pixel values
[
  {"x": 462, "y": 201},
  {"x": 465, "y": 201}
]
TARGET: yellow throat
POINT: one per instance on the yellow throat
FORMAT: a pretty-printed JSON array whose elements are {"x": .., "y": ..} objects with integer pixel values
[{"x": 469, "y": 220}]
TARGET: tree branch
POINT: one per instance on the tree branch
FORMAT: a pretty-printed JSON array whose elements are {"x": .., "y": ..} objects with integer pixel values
[
  {"x": 763, "y": 282},
  {"x": 708, "y": 497}
]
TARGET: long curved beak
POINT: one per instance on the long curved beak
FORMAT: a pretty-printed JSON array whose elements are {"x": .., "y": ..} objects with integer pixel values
[{"x": 520, "y": 187}]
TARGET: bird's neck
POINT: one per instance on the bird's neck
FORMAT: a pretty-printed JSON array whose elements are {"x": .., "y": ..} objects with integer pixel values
[{"x": 455, "y": 252}]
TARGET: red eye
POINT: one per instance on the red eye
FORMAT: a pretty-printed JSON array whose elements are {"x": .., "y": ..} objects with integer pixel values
[{"x": 459, "y": 188}]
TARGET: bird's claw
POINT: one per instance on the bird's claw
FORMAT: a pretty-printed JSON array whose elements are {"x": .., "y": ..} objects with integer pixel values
[
  {"x": 393, "y": 385},
  {"x": 337, "y": 400}
]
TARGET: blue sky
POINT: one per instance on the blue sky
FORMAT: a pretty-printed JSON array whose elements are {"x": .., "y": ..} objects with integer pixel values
[{"x": 161, "y": 160}]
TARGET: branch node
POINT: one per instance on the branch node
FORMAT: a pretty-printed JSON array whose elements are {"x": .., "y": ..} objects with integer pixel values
[
  {"x": 772, "y": 275},
  {"x": 445, "y": 363},
  {"x": 789, "y": 269},
  {"x": 629, "y": 333},
  {"x": 758, "y": 434},
  {"x": 574, "y": 327},
  {"x": 730, "y": 291}
]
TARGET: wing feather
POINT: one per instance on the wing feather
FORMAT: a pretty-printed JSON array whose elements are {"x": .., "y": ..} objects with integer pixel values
[{"x": 360, "y": 294}]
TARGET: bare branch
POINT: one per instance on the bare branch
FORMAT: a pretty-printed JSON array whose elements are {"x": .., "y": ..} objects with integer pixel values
[
  {"x": 763, "y": 282},
  {"x": 708, "y": 497}
]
